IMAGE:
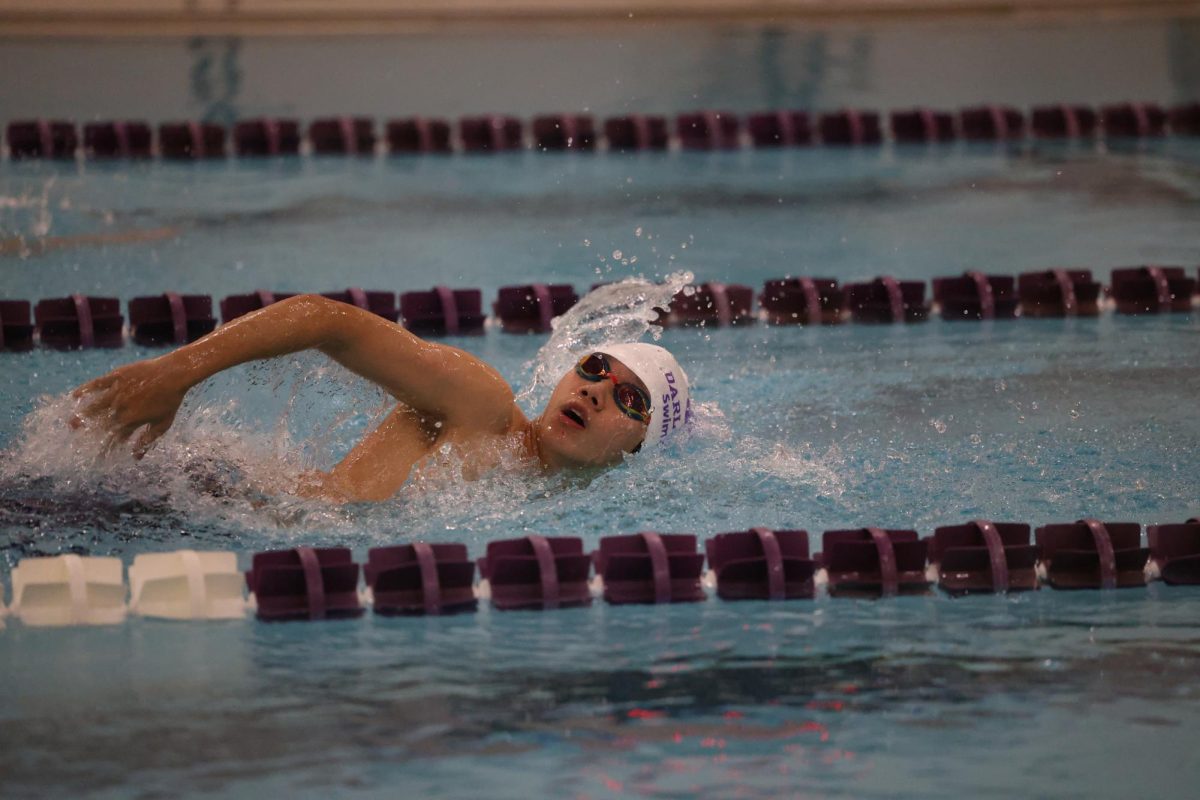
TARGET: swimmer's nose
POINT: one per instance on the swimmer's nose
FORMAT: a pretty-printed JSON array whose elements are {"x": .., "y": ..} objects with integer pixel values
[{"x": 593, "y": 396}]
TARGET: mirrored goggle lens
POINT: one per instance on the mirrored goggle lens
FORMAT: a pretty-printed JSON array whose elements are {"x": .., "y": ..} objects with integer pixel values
[
  {"x": 594, "y": 366},
  {"x": 633, "y": 398}
]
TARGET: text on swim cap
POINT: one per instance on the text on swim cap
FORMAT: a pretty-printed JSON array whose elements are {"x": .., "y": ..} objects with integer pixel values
[{"x": 672, "y": 412}]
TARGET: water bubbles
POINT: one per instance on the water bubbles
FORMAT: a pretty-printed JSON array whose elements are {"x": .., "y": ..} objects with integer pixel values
[
  {"x": 1074, "y": 413},
  {"x": 587, "y": 242},
  {"x": 638, "y": 231},
  {"x": 617, "y": 255},
  {"x": 938, "y": 425}
]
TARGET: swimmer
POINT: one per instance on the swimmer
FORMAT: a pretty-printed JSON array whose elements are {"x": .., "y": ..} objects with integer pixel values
[{"x": 612, "y": 403}]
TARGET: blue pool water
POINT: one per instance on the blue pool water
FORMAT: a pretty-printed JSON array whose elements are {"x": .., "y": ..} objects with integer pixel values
[{"x": 1047, "y": 694}]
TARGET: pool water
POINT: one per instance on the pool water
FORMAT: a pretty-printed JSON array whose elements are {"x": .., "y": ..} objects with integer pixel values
[{"x": 1056, "y": 694}]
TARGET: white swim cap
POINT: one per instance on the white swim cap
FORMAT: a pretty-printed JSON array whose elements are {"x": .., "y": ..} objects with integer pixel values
[{"x": 670, "y": 393}]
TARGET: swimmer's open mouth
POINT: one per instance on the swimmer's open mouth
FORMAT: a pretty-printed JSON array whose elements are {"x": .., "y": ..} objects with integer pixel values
[{"x": 572, "y": 415}]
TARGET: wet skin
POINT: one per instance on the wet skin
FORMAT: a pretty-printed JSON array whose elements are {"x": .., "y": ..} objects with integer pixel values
[{"x": 444, "y": 396}]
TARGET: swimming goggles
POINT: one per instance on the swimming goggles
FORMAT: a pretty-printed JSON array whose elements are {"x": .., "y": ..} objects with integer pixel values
[{"x": 632, "y": 399}]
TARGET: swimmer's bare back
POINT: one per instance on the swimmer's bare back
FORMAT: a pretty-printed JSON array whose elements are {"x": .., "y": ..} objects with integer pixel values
[{"x": 445, "y": 395}]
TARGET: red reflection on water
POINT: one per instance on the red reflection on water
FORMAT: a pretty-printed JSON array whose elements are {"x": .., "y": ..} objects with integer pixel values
[
  {"x": 825, "y": 705},
  {"x": 834, "y": 756},
  {"x": 645, "y": 713},
  {"x": 815, "y": 727}
]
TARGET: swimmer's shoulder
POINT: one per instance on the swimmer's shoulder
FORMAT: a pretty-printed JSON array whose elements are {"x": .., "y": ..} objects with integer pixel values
[{"x": 470, "y": 393}]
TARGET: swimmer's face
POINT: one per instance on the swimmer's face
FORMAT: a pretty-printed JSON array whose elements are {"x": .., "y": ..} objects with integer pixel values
[{"x": 582, "y": 424}]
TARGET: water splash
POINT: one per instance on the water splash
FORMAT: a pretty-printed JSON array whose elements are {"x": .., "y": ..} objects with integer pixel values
[
  {"x": 26, "y": 217},
  {"x": 611, "y": 314}
]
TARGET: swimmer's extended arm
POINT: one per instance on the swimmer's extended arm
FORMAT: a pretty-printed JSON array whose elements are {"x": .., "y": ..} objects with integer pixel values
[{"x": 431, "y": 378}]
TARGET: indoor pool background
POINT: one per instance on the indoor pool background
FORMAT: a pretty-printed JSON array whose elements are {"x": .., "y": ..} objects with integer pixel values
[{"x": 1057, "y": 694}]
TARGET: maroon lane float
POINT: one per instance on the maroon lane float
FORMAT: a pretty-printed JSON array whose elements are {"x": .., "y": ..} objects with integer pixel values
[
  {"x": 564, "y": 132},
  {"x": 490, "y": 134},
  {"x": 991, "y": 124},
  {"x": 418, "y": 135},
  {"x": 537, "y": 572},
  {"x": 305, "y": 583},
  {"x": 1152, "y": 290},
  {"x": 16, "y": 326},
  {"x": 762, "y": 564},
  {"x": 984, "y": 556},
  {"x": 650, "y": 567},
  {"x": 710, "y": 303},
  {"x": 886, "y": 299},
  {"x": 637, "y": 132},
  {"x": 708, "y": 130},
  {"x": 170, "y": 318},
  {"x": 802, "y": 301},
  {"x": 1059, "y": 293},
  {"x": 42, "y": 138},
  {"x": 266, "y": 137},
  {"x": 118, "y": 139},
  {"x": 191, "y": 140},
  {"x": 851, "y": 127},
  {"x": 530, "y": 308},
  {"x": 1134, "y": 121},
  {"x": 1175, "y": 550},
  {"x": 342, "y": 136},
  {"x": 1090, "y": 554},
  {"x": 922, "y": 125},
  {"x": 1063, "y": 122},
  {"x": 874, "y": 562},
  {"x": 780, "y": 129},
  {"x": 80, "y": 321},
  {"x": 1184, "y": 120},
  {"x": 443, "y": 311},
  {"x": 420, "y": 578},
  {"x": 975, "y": 296}
]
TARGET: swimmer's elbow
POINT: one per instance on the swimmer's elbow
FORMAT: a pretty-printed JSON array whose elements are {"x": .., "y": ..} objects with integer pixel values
[{"x": 333, "y": 325}]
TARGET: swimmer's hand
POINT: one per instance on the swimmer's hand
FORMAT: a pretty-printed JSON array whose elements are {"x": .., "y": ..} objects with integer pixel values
[{"x": 143, "y": 395}]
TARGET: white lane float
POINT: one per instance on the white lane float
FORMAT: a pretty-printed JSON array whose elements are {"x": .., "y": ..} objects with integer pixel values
[
  {"x": 69, "y": 590},
  {"x": 187, "y": 584}
]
